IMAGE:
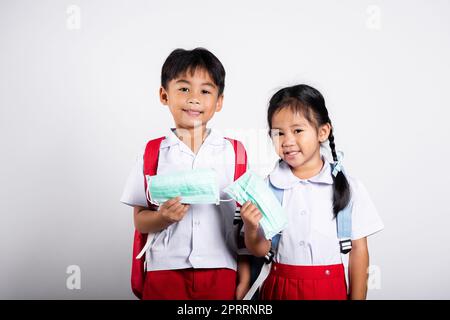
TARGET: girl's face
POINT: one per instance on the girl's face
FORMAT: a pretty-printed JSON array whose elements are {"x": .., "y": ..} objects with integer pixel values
[{"x": 297, "y": 141}]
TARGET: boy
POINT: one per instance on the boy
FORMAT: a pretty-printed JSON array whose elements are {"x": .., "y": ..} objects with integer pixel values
[{"x": 191, "y": 256}]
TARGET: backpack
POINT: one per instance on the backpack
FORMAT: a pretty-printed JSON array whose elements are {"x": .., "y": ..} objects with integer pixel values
[
  {"x": 143, "y": 240},
  {"x": 260, "y": 266}
]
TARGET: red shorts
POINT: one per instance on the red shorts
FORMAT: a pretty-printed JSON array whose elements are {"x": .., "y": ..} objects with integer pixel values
[
  {"x": 288, "y": 282},
  {"x": 190, "y": 284}
]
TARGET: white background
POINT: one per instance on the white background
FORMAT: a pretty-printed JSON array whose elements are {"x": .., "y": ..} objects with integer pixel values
[{"x": 78, "y": 104}]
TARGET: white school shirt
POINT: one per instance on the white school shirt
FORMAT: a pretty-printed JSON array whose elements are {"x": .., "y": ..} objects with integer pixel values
[
  {"x": 310, "y": 237},
  {"x": 205, "y": 237}
]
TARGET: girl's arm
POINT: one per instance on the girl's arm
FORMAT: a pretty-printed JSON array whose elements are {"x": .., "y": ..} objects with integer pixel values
[
  {"x": 255, "y": 241},
  {"x": 357, "y": 269}
]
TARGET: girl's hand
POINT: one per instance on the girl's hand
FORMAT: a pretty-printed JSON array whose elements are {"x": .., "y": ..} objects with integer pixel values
[
  {"x": 251, "y": 215},
  {"x": 173, "y": 210}
]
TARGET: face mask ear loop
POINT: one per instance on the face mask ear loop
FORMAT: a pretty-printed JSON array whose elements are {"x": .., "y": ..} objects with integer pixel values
[
  {"x": 220, "y": 200},
  {"x": 248, "y": 183},
  {"x": 226, "y": 200},
  {"x": 147, "y": 193}
]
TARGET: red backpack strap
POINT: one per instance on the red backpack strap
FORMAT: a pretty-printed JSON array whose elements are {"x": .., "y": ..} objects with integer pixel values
[
  {"x": 151, "y": 156},
  {"x": 240, "y": 158},
  {"x": 240, "y": 167}
]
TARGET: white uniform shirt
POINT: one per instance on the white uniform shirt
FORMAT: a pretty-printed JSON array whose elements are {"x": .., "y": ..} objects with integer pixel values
[
  {"x": 205, "y": 237},
  {"x": 311, "y": 235}
]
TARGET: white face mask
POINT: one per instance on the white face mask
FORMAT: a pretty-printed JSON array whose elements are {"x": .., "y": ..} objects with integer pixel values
[{"x": 252, "y": 187}]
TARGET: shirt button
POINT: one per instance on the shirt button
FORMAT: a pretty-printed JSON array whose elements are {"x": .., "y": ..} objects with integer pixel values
[
  {"x": 302, "y": 243},
  {"x": 303, "y": 212},
  {"x": 327, "y": 272},
  {"x": 197, "y": 223}
]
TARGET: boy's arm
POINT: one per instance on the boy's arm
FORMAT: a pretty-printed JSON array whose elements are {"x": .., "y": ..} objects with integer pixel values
[
  {"x": 243, "y": 283},
  {"x": 357, "y": 269},
  {"x": 150, "y": 221}
]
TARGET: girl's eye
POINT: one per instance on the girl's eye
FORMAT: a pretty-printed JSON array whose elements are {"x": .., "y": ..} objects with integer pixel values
[
  {"x": 205, "y": 92},
  {"x": 184, "y": 89},
  {"x": 298, "y": 130},
  {"x": 276, "y": 133}
]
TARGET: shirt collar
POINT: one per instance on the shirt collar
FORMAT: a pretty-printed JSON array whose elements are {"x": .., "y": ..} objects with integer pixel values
[
  {"x": 283, "y": 178},
  {"x": 213, "y": 138}
]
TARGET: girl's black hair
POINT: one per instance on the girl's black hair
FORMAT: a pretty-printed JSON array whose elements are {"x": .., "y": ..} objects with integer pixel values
[
  {"x": 181, "y": 61},
  {"x": 311, "y": 104}
]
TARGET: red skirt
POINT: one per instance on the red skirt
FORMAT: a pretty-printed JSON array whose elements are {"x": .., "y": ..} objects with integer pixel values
[
  {"x": 288, "y": 282},
  {"x": 190, "y": 284}
]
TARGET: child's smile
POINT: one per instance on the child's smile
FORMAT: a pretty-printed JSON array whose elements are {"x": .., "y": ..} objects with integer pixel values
[
  {"x": 192, "y": 112},
  {"x": 290, "y": 154}
]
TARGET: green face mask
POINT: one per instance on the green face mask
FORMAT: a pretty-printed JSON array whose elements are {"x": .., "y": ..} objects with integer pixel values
[
  {"x": 193, "y": 186},
  {"x": 252, "y": 187}
]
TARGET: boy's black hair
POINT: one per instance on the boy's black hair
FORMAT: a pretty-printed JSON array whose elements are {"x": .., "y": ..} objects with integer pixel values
[
  {"x": 311, "y": 104},
  {"x": 181, "y": 61}
]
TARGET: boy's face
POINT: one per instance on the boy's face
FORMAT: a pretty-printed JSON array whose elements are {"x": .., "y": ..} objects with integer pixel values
[{"x": 192, "y": 99}]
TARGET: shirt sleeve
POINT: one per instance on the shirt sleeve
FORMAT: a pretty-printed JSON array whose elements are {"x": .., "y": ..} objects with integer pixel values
[
  {"x": 134, "y": 191},
  {"x": 365, "y": 218}
]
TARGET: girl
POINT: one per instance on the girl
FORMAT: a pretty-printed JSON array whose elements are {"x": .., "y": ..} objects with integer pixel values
[{"x": 307, "y": 263}]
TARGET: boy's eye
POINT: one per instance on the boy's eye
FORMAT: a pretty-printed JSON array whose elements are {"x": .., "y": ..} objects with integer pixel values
[
  {"x": 205, "y": 92},
  {"x": 298, "y": 130},
  {"x": 184, "y": 89}
]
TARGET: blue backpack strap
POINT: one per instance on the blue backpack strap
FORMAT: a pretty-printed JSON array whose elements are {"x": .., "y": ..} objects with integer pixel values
[
  {"x": 344, "y": 228},
  {"x": 344, "y": 224}
]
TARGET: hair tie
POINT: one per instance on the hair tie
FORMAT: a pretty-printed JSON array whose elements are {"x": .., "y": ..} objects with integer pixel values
[{"x": 337, "y": 167}]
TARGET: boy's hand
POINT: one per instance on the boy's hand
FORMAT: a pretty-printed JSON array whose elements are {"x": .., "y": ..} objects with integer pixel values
[
  {"x": 251, "y": 215},
  {"x": 173, "y": 210}
]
